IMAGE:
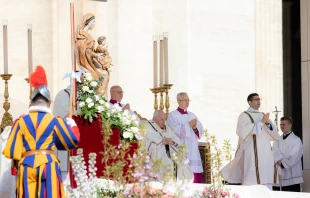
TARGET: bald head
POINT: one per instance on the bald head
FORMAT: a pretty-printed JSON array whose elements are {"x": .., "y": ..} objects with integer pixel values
[
  {"x": 116, "y": 93},
  {"x": 159, "y": 118}
]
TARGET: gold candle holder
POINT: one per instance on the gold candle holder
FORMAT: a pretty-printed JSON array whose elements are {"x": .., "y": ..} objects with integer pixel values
[
  {"x": 7, "y": 119},
  {"x": 167, "y": 100},
  {"x": 155, "y": 91},
  {"x": 30, "y": 89},
  {"x": 162, "y": 105}
]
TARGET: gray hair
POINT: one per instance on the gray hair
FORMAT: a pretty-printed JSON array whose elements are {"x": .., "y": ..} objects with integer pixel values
[
  {"x": 156, "y": 112},
  {"x": 180, "y": 94}
]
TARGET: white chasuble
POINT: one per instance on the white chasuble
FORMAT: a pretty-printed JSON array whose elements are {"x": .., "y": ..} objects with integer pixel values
[
  {"x": 179, "y": 123},
  {"x": 253, "y": 163},
  {"x": 158, "y": 151},
  {"x": 289, "y": 151}
]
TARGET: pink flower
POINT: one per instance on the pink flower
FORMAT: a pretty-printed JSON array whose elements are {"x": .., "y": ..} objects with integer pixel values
[{"x": 236, "y": 195}]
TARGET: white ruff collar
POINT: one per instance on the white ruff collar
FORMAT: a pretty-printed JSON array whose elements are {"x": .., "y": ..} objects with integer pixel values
[{"x": 40, "y": 109}]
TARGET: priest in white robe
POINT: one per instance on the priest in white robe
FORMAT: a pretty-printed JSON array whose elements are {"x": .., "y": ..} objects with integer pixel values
[
  {"x": 253, "y": 163},
  {"x": 189, "y": 129},
  {"x": 287, "y": 158},
  {"x": 162, "y": 144},
  {"x": 116, "y": 94}
]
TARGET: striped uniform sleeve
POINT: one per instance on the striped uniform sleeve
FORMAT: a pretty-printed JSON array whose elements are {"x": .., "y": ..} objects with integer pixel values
[
  {"x": 66, "y": 137},
  {"x": 14, "y": 145}
]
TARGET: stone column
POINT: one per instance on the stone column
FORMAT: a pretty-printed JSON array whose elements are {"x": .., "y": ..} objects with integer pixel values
[
  {"x": 305, "y": 77},
  {"x": 268, "y": 54}
]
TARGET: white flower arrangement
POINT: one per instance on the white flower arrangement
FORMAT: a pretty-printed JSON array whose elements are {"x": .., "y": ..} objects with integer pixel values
[
  {"x": 91, "y": 104},
  {"x": 89, "y": 101},
  {"x": 127, "y": 123},
  {"x": 86, "y": 184},
  {"x": 108, "y": 188}
]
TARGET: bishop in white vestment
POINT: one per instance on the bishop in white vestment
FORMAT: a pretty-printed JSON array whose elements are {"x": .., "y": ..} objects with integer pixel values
[
  {"x": 287, "y": 157},
  {"x": 189, "y": 129},
  {"x": 253, "y": 163},
  {"x": 116, "y": 94},
  {"x": 162, "y": 144}
]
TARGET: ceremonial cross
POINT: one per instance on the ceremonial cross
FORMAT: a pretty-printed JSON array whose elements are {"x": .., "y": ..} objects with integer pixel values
[{"x": 276, "y": 112}]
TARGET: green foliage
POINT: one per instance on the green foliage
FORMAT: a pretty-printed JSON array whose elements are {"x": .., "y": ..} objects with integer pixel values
[
  {"x": 216, "y": 155},
  {"x": 92, "y": 104}
]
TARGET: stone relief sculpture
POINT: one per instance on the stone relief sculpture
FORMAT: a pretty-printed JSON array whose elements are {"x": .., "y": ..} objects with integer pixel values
[{"x": 98, "y": 61}]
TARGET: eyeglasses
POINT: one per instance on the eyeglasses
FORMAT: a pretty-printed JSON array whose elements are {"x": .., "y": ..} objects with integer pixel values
[
  {"x": 120, "y": 92},
  {"x": 185, "y": 100},
  {"x": 257, "y": 99}
]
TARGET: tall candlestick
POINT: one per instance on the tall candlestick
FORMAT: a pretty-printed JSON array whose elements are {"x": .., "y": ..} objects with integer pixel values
[
  {"x": 7, "y": 119},
  {"x": 161, "y": 60},
  {"x": 5, "y": 46},
  {"x": 155, "y": 58},
  {"x": 29, "y": 28},
  {"x": 166, "y": 57}
]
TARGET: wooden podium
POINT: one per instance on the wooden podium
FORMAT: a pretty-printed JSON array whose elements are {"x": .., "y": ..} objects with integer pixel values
[{"x": 91, "y": 141}]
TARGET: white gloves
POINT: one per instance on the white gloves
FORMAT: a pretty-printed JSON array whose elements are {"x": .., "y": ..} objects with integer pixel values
[{"x": 70, "y": 122}]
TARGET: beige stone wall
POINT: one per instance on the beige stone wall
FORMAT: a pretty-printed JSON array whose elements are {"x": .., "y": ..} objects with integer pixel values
[
  {"x": 19, "y": 14},
  {"x": 218, "y": 54}
]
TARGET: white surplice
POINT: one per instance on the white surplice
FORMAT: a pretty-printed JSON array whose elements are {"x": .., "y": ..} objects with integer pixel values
[
  {"x": 253, "y": 162},
  {"x": 7, "y": 181},
  {"x": 289, "y": 151},
  {"x": 179, "y": 123},
  {"x": 157, "y": 151}
]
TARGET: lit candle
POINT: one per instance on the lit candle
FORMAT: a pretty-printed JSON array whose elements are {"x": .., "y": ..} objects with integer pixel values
[
  {"x": 5, "y": 46},
  {"x": 29, "y": 31},
  {"x": 155, "y": 61},
  {"x": 166, "y": 57},
  {"x": 161, "y": 60}
]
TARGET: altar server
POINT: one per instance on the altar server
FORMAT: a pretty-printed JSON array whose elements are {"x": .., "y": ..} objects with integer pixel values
[{"x": 287, "y": 157}]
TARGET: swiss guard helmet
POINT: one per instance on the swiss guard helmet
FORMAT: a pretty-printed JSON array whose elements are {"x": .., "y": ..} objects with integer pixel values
[{"x": 38, "y": 81}]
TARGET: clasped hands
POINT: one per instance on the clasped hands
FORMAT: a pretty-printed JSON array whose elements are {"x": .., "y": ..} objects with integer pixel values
[
  {"x": 167, "y": 141},
  {"x": 193, "y": 124},
  {"x": 265, "y": 119},
  {"x": 127, "y": 106}
]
